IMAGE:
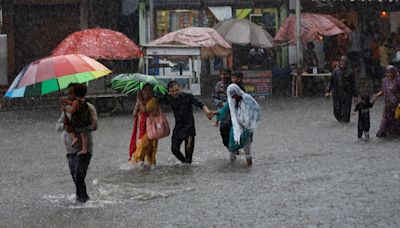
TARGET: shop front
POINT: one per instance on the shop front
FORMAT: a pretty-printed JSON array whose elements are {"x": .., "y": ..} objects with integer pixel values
[
  {"x": 374, "y": 26},
  {"x": 255, "y": 63}
]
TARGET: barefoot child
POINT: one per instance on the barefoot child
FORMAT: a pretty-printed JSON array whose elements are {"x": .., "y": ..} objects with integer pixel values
[
  {"x": 362, "y": 107},
  {"x": 80, "y": 115}
]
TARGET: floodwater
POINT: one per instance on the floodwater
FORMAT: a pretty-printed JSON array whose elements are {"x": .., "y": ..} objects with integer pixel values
[{"x": 309, "y": 171}]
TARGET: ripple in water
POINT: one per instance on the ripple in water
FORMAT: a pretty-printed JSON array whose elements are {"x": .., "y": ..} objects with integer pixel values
[{"x": 109, "y": 194}]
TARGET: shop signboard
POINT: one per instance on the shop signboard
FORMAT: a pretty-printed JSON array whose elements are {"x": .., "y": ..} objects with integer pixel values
[{"x": 258, "y": 83}]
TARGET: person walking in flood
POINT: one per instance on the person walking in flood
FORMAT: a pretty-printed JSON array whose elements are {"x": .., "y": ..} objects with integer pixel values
[
  {"x": 391, "y": 92},
  {"x": 362, "y": 108},
  {"x": 78, "y": 162},
  {"x": 146, "y": 149},
  {"x": 245, "y": 114},
  {"x": 184, "y": 130},
  {"x": 343, "y": 91}
]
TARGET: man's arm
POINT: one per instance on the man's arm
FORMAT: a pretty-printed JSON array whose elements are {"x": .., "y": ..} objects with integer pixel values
[
  {"x": 163, "y": 99},
  {"x": 202, "y": 106}
]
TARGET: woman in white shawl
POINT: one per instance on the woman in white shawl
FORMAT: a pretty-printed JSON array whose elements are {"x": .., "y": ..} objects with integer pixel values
[{"x": 245, "y": 115}]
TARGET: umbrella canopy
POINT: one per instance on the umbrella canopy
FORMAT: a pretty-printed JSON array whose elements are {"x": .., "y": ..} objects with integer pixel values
[
  {"x": 312, "y": 25},
  {"x": 54, "y": 73},
  {"x": 211, "y": 43},
  {"x": 243, "y": 32},
  {"x": 99, "y": 43},
  {"x": 132, "y": 83}
]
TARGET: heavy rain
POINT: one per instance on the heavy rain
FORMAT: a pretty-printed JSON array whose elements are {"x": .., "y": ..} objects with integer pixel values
[{"x": 287, "y": 113}]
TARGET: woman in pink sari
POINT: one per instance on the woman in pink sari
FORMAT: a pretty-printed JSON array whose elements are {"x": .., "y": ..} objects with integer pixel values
[{"x": 391, "y": 93}]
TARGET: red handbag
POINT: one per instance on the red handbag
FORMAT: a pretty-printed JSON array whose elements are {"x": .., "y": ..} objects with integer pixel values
[{"x": 157, "y": 127}]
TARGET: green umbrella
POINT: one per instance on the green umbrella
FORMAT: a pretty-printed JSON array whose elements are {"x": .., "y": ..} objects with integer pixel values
[{"x": 132, "y": 83}]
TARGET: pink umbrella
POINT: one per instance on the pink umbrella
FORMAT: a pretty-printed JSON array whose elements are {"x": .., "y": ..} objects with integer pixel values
[
  {"x": 312, "y": 25},
  {"x": 99, "y": 43},
  {"x": 211, "y": 43}
]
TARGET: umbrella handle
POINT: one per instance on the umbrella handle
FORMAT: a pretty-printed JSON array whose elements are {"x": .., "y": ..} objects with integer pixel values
[{"x": 62, "y": 103}]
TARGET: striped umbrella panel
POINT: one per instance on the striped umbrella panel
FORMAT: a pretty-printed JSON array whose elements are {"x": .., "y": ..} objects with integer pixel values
[
  {"x": 58, "y": 66},
  {"x": 54, "y": 84},
  {"x": 54, "y": 73}
]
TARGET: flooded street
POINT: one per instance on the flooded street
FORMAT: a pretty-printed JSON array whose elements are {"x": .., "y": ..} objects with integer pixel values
[{"x": 309, "y": 171}]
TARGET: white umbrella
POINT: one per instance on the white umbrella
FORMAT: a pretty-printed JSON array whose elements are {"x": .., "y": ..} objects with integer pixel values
[{"x": 243, "y": 32}]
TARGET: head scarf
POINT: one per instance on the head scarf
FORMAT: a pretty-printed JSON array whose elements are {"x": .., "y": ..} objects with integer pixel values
[
  {"x": 245, "y": 114},
  {"x": 343, "y": 58},
  {"x": 391, "y": 69}
]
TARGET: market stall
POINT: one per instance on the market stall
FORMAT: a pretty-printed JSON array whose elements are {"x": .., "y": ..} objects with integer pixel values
[
  {"x": 252, "y": 53},
  {"x": 178, "y": 55},
  {"x": 185, "y": 65}
]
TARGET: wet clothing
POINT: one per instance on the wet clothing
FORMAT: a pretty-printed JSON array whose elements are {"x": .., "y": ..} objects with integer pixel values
[
  {"x": 225, "y": 121},
  {"x": 182, "y": 107},
  {"x": 389, "y": 124},
  {"x": 78, "y": 164},
  {"x": 343, "y": 89},
  {"x": 184, "y": 130},
  {"x": 189, "y": 147},
  {"x": 146, "y": 148},
  {"x": 363, "y": 117},
  {"x": 225, "y": 125},
  {"x": 81, "y": 119},
  {"x": 227, "y": 132},
  {"x": 244, "y": 115}
]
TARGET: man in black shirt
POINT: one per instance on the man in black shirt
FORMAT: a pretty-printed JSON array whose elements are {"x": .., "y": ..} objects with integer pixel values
[{"x": 184, "y": 130}]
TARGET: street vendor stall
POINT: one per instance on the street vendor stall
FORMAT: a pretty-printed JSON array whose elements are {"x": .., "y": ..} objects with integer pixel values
[
  {"x": 252, "y": 53},
  {"x": 304, "y": 28},
  {"x": 183, "y": 51},
  {"x": 188, "y": 75}
]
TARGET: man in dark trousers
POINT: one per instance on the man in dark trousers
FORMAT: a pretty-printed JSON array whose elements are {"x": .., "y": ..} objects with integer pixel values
[
  {"x": 78, "y": 163},
  {"x": 182, "y": 106},
  {"x": 343, "y": 90}
]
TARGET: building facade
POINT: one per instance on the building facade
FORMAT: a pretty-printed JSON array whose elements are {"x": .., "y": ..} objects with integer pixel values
[{"x": 35, "y": 27}]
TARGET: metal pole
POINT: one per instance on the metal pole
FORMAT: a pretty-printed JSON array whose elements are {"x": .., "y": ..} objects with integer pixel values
[
  {"x": 298, "y": 48},
  {"x": 298, "y": 33}
]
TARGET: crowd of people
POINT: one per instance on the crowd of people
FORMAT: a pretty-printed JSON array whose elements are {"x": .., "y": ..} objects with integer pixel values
[
  {"x": 237, "y": 116},
  {"x": 343, "y": 91},
  {"x": 375, "y": 49},
  {"x": 238, "y": 109}
]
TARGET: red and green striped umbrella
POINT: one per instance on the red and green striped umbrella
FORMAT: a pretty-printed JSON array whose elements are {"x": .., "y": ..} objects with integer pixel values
[{"x": 55, "y": 73}]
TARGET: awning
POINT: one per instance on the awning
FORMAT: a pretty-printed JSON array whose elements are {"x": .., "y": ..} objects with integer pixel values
[{"x": 221, "y": 12}]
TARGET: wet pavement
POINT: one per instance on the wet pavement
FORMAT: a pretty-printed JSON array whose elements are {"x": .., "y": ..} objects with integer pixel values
[{"x": 309, "y": 171}]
